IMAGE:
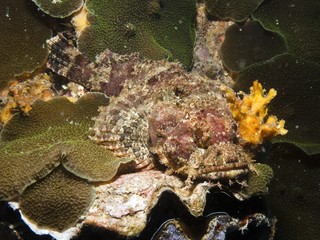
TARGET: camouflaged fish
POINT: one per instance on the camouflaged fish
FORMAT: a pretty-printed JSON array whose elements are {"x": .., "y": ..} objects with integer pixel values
[{"x": 158, "y": 113}]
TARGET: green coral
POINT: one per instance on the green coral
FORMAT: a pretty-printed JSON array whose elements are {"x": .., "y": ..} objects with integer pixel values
[
  {"x": 248, "y": 44},
  {"x": 257, "y": 180},
  {"x": 101, "y": 164},
  {"x": 59, "y": 8},
  {"x": 57, "y": 201},
  {"x": 232, "y": 9},
  {"x": 298, "y": 85},
  {"x": 156, "y": 29},
  {"x": 58, "y": 112},
  {"x": 54, "y": 132},
  {"x": 297, "y": 21},
  {"x": 23, "y": 39}
]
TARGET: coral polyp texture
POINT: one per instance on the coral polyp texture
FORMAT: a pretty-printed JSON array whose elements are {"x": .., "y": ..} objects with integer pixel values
[
  {"x": 53, "y": 132},
  {"x": 59, "y": 8},
  {"x": 258, "y": 181},
  {"x": 251, "y": 111},
  {"x": 156, "y": 29},
  {"x": 24, "y": 33},
  {"x": 57, "y": 201}
]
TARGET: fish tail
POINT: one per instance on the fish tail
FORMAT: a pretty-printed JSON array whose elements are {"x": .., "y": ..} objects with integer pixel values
[{"x": 66, "y": 60}]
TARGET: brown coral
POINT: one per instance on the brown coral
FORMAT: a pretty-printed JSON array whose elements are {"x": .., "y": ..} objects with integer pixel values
[{"x": 57, "y": 201}]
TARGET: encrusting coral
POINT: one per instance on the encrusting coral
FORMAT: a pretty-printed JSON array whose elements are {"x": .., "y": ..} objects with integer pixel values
[
  {"x": 250, "y": 113},
  {"x": 22, "y": 95},
  {"x": 53, "y": 132}
]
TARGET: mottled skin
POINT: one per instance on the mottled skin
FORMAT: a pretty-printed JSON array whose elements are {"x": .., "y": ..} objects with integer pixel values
[{"x": 157, "y": 112}]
